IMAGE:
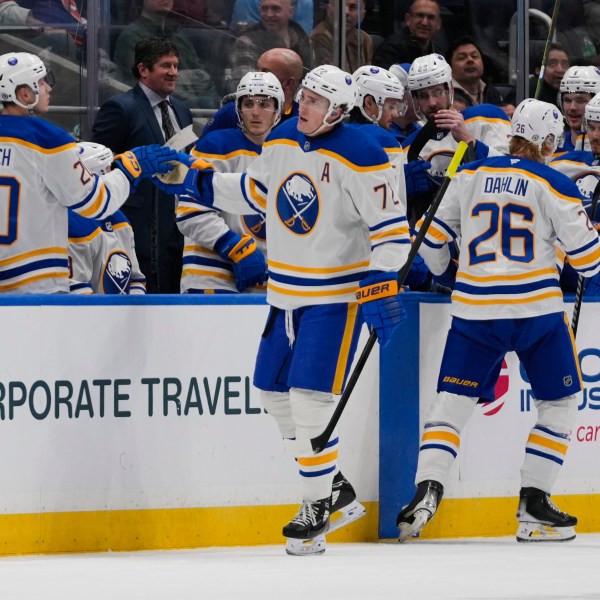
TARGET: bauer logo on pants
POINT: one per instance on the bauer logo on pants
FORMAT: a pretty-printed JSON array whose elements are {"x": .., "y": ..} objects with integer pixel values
[{"x": 298, "y": 203}]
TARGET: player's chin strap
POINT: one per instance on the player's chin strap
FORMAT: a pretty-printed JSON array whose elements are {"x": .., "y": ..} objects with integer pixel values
[
  {"x": 326, "y": 123},
  {"x": 318, "y": 443}
]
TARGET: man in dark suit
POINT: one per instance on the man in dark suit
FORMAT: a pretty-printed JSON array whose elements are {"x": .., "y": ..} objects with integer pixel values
[{"x": 148, "y": 114}]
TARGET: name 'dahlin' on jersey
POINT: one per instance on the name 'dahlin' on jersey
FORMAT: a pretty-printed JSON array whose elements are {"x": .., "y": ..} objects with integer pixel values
[{"x": 496, "y": 185}]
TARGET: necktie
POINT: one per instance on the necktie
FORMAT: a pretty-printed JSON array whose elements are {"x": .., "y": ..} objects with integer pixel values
[{"x": 167, "y": 124}]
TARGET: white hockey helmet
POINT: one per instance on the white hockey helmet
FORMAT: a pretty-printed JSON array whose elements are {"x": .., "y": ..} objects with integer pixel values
[
  {"x": 96, "y": 157},
  {"x": 592, "y": 110},
  {"x": 259, "y": 83},
  {"x": 400, "y": 71},
  {"x": 380, "y": 84},
  {"x": 540, "y": 123},
  {"x": 429, "y": 70},
  {"x": 581, "y": 79},
  {"x": 17, "y": 69},
  {"x": 333, "y": 84}
]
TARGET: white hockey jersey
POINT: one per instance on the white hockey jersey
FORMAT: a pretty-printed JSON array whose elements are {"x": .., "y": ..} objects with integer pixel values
[
  {"x": 229, "y": 151},
  {"x": 40, "y": 176},
  {"x": 508, "y": 213},
  {"x": 331, "y": 208},
  {"x": 583, "y": 168},
  {"x": 487, "y": 123},
  {"x": 102, "y": 256}
]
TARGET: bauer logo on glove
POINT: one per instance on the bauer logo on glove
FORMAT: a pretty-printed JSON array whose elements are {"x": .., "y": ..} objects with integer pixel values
[{"x": 377, "y": 290}]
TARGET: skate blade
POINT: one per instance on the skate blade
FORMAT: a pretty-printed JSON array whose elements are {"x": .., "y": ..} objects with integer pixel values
[
  {"x": 295, "y": 547},
  {"x": 347, "y": 515},
  {"x": 408, "y": 530},
  {"x": 537, "y": 532}
]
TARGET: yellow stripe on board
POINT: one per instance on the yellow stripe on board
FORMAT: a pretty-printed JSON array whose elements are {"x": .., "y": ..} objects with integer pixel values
[
  {"x": 162, "y": 529},
  {"x": 494, "y": 517},
  {"x": 166, "y": 529}
]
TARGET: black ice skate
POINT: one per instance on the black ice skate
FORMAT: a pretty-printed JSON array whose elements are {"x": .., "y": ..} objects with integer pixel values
[
  {"x": 540, "y": 520},
  {"x": 344, "y": 502},
  {"x": 306, "y": 531},
  {"x": 412, "y": 518}
]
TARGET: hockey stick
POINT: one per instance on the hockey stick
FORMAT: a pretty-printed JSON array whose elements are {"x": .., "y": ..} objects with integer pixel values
[
  {"x": 581, "y": 280},
  {"x": 318, "y": 443},
  {"x": 538, "y": 87},
  {"x": 426, "y": 133}
]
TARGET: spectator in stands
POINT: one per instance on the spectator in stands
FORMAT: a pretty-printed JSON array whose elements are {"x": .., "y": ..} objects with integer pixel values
[
  {"x": 557, "y": 63},
  {"x": 276, "y": 29},
  {"x": 286, "y": 65},
  {"x": 466, "y": 60},
  {"x": 421, "y": 23},
  {"x": 195, "y": 85},
  {"x": 359, "y": 45},
  {"x": 247, "y": 12},
  {"x": 194, "y": 13},
  {"x": 13, "y": 14},
  {"x": 65, "y": 37},
  {"x": 149, "y": 114}
]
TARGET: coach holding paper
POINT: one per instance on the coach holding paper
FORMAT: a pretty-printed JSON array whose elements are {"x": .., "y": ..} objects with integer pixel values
[{"x": 148, "y": 114}]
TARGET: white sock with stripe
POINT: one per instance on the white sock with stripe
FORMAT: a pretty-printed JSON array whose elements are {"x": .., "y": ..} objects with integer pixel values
[{"x": 548, "y": 442}]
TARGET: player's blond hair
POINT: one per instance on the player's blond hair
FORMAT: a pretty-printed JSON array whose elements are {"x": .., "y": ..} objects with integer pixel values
[{"x": 519, "y": 146}]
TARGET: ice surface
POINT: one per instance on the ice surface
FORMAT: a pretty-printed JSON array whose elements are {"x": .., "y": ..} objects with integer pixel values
[{"x": 481, "y": 569}]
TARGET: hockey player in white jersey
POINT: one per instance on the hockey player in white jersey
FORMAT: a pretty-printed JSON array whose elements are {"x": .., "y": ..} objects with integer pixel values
[
  {"x": 508, "y": 213},
  {"x": 41, "y": 176},
  {"x": 102, "y": 258},
  {"x": 336, "y": 232},
  {"x": 486, "y": 126},
  {"x": 577, "y": 87},
  {"x": 380, "y": 99},
  {"x": 583, "y": 167},
  {"x": 210, "y": 236}
]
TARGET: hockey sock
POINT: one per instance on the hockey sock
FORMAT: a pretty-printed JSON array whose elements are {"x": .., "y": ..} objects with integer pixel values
[
  {"x": 312, "y": 411},
  {"x": 440, "y": 442},
  {"x": 548, "y": 442},
  {"x": 278, "y": 405}
]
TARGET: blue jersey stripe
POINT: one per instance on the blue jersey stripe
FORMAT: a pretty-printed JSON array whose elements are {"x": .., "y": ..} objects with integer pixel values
[
  {"x": 61, "y": 263},
  {"x": 506, "y": 289}
]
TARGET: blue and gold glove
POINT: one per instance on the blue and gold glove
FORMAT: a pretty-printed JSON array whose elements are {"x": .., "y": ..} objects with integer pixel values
[
  {"x": 248, "y": 262},
  {"x": 382, "y": 308},
  {"x": 416, "y": 177},
  {"x": 145, "y": 161},
  {"x": 191, "y": 176}
]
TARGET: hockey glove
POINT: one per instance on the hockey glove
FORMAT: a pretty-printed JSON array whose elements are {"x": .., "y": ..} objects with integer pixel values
[
  {"x": 381, "y": 305},
  {"x": 416, "y": 177},
  {"x": 444, "y": 283},
  {"x": 248, "y": 262},
  {"x": 144, "y": 161},
  {"x": 191, "y": 177},
  {"x": 418, "y": 276}
]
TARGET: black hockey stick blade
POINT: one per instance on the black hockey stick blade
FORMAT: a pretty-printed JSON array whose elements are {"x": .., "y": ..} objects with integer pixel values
[
  {"x": 581, "y": 279},
  {"x": 318, "y": 443},
  {"x": 426, "y": 133}
]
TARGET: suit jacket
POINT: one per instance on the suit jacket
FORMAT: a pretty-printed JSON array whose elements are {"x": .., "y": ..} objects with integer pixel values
[
  {"x": 401, "y": 48},
  {"x": 124, "y": 122}
]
